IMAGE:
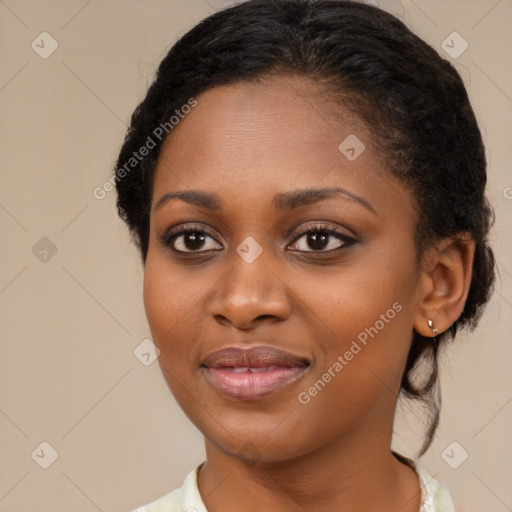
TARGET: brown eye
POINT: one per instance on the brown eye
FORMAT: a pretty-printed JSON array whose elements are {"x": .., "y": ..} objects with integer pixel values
[
  {"x": 322, "y": 239},
  {"x": 190, "y": 240}
]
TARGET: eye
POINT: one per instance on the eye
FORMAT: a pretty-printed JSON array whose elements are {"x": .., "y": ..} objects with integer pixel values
[
  {"x": 322, "y": 238},
  {"x": 189, "y": 239},
  {"x": 197, "y": 239}
]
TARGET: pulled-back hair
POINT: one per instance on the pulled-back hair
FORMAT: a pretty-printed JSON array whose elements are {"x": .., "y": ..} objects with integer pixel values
[{"x": 413, "y": 102}]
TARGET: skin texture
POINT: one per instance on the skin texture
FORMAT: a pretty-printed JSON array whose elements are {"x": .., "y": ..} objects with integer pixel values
[{"x": 246, "y": 142}]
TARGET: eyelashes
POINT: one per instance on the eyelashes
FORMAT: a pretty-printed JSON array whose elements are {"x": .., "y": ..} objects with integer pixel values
[
  {"x": 325, "y": 232},
  {"x": 195, "y": 239},
  {"x": 196, "y": 236}
]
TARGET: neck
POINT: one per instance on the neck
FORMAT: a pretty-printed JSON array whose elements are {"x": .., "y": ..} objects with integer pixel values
[{"x": 355, "y": 472}]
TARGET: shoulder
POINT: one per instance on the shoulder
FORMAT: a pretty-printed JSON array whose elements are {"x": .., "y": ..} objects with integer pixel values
[
  {"x": 168, "y": 503},
  {"x": 435, "y": 497},
  {"x": 185, "y": 498}
]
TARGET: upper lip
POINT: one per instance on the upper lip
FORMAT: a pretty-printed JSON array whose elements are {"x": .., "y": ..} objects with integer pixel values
[{"x": 254, "y": 357}]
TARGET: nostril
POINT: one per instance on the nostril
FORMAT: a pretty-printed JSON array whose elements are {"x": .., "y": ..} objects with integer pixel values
[{"x": 266, "y": 316}]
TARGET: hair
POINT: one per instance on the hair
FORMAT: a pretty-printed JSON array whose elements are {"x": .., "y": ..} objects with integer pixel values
[{"x": 413, "y": 102}]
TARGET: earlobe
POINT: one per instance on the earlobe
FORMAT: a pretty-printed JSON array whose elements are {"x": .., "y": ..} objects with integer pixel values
[
  {"x": 435, "y": 330},
  {"x": 445, "y": 284}
]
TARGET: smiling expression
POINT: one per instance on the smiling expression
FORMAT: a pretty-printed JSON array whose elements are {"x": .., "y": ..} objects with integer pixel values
[{"x": 289, "y": 245}]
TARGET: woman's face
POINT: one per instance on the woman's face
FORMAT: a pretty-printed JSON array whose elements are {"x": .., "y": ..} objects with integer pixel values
[{"x": 323, "y": 286}]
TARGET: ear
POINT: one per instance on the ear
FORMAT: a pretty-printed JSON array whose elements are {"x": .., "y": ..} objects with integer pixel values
[{"x": 445, "y": 280}]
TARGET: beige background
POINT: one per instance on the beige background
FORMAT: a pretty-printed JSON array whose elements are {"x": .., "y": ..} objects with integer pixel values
[{"x": 70, "y": 324}]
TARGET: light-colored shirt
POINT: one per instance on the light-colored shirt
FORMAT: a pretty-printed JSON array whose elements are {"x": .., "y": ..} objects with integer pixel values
[{"x": 435, "y": 497}]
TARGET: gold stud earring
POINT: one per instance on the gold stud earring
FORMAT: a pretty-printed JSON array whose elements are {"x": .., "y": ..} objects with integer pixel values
[{"x": 431, "y": 324}]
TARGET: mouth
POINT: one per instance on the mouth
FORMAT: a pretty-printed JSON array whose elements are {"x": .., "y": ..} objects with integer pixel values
[{"x": 252, "y": 373}]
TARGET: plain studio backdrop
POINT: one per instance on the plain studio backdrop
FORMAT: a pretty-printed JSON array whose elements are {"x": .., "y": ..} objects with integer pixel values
[{"x": 85, "y": 424}]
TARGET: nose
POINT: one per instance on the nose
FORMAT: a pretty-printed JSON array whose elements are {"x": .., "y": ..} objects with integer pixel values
[{"x": 250, "y": 293}]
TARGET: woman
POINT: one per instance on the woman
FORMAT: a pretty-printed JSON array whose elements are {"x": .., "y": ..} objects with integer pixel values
[{"x": 305, "y": 182}]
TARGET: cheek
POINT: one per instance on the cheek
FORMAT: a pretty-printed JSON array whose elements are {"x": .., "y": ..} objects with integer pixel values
[
  {"x": 170, "y": 301},
  {"x": 358, "y": 375},
  {"x": 177, "y": 314},
  {"x": 351, "y": 300},
  {"x": 167, "y": 312},
  {"x": 366, "y": 316},
  {"x": 160, "y": 303},
  {"x": 172, "y": 307}
]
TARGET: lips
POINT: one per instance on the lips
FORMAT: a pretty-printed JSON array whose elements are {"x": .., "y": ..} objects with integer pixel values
[
  {"x": 255, "y": 357},
  {"x": 252, "y": 373}
]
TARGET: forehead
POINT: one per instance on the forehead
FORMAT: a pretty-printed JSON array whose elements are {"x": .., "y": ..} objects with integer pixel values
[
  {"x": 274, "y": 135},
  {"x": 265, "y": 118}
]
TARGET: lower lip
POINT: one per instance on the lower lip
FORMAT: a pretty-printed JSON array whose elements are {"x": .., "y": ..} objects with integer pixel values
[{"x": 248, "y": 385}]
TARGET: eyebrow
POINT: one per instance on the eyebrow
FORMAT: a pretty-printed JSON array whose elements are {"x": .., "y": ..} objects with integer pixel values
[{"x": 284, "y": 201}]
